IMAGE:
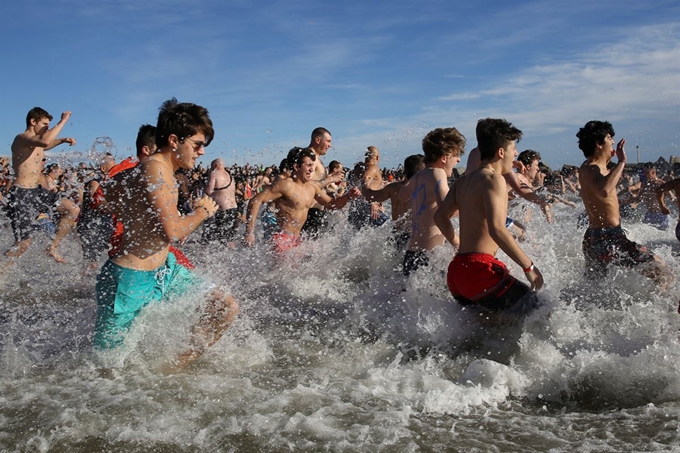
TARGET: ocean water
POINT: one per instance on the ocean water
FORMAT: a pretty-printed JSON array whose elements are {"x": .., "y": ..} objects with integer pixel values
[{"x": 336, "y": 351}]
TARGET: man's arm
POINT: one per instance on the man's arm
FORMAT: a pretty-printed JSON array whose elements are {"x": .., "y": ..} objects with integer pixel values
[
  {"x": 606, "y": 185},
  {"x": 162, "y": 195},
  {"x": 266, "y": 196},
  {"x": 442, "y": 217},
  {"x": 528, "y": 194},
  {"x": 49, "y": 139},
  {"x": 335, "y": 177},
  {"x": 383, "y": 194},
  {"x": 210, "y": 187},
  {"x": 336, "y": 203},
  {"x": 495, "y": 203},
  {"x": 673, "y": 185}
]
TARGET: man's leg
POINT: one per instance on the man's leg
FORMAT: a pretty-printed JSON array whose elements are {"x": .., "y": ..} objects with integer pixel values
[{"x": 68, "y": 214}]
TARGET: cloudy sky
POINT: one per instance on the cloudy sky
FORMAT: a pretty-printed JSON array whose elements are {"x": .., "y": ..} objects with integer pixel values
[{"x": 379, "y": 73}]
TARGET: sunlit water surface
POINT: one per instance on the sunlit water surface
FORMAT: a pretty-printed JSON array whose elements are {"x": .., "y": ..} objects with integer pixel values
[{"x": 338, "y": 352}]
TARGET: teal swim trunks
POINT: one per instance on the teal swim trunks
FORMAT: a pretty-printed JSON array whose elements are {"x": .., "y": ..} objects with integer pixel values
[{"x": 123, "y": 292}]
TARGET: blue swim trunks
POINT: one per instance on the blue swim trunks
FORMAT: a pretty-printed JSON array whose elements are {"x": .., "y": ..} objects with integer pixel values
[{"x": 123, "y": 292}]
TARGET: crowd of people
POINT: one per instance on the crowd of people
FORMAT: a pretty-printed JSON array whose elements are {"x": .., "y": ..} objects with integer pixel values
[{"x": 140, "y": 210}]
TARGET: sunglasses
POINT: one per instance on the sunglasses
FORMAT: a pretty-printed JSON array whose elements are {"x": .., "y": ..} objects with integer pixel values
[{"x": 197, "y": 145}]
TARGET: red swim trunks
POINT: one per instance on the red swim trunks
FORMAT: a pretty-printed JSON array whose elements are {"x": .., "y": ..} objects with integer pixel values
[
  {"x": 282, "y": 242},
  {"x": 483, "y": 280}
]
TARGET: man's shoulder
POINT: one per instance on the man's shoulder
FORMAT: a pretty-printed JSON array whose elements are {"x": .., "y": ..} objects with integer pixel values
[{"x": 155, "y": 166}]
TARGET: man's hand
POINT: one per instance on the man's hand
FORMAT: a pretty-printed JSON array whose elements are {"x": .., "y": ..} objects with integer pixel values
[
  {"x": 354, "y": 193},
  {"x": 70, "y": 140},
  {"x": 620, "y": 151},
  {"x": 249, "y": 239},
  {"x": 208, "y": 204},
  {"x": 65, "y": 116},
  {"x": 518, "y": 165},
  {"x": 535, "y": 278},
  {"x": 375, "y": 210},
  {"x": 335, "y": 178}
]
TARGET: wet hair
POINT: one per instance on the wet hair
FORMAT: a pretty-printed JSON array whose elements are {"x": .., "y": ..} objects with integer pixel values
[
  {"x": 443, "y": 142},
  {"x": 593, "y": 134},
  {"x": 413, "y": 164},
  {"x": 50, "y": 168},
  {"x": 319, "y": 132},
  {"x": 146, "y": 136},
  {"x": 37, "y": 113},
  {"x": 283, "y": 166},
  {"x": 184, "y": 120},
  {"x": 296, "y": 155},
  {"x": 493, "y": 134},
  {"x": 528, "y": 156}
]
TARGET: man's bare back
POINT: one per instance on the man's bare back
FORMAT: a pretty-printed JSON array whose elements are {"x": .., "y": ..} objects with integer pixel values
[{"x": 426, "y": 190}]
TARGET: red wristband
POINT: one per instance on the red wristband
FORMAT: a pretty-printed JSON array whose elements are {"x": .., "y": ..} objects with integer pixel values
[{"x": 529, "y": 269}]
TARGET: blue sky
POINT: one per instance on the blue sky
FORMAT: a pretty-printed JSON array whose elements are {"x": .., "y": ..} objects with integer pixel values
[{"x": 379, "y": 73}]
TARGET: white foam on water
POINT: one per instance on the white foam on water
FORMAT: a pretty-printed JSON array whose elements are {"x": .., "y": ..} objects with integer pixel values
[{"x": 339, "y": 351}]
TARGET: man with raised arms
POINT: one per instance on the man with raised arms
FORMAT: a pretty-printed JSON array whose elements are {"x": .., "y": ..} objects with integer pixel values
[
  {"x": 475, "y": 277},
  {"x": 222, "y": 190},
  {"x": 604, "y": 241},
  {"x": 293, "y": 197},
  {"x": 427, "y": 190},
  {"x": 319, "y": 144},
  {"x": 27, "y": 197},
  {"x": 144, "y": 199}
]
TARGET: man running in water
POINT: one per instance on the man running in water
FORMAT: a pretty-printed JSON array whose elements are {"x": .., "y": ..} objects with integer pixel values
[
  {"x": 670, "y": 186},
  {"x": 363, "y": 212},
  {"x": 654, "y": 215},
  {"x": 222, "y": 190},
  {"x": 144, "y": 199},
  {"x": 605, "y": 242},
  {"x": 320, "y": 143},
  {"x": 293, "y": 198},
  {"x": 27, "y": 198},
  {"x": 475, "y": 277},
  {"x": 426, "y": 191},
  {"x": 401, "y": 209}
]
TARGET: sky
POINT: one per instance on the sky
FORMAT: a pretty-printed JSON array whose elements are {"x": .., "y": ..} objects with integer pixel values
[{"x": 381, "y": 73}]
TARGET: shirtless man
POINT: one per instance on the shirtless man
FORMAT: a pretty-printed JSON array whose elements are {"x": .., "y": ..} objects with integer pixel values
[
  {"x": 320, "y": 143},
  {"x": 513, "y": 183},
  {"x": 27, "y": 197},
  {"x": 222, "y": 190},
  {"x": 475, "y": 277},
  {"x": 263, "y": 180},
  {"x": 528, "y": 175},
  {"x": 94, "y": 227},
  {"x": 648, "y": 195},
  {"x": 293, "y": 198},
  {"x": 427, "y": 190},
  {"x": 605, "y": 241},
  {"x": 670, "y": 186},
  {"x": 401, "y": 209},
  {"x": 369, "y": 175},
  {"x": 144, "y": 199}
]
